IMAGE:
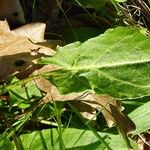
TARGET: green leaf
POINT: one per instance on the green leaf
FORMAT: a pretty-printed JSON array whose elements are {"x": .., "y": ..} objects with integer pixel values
[
  {"x": 141, "y": 118},
  {"x": 5, "y": 143},
  {"x": 115, "y": 63},
  {"x": 21, "y": 94},
  {"x": 73, "y": 139},
  {"x": 118, "y": 144}
]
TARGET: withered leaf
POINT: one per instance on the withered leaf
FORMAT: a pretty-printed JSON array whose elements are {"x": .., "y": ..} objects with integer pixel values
[
  {"x": 124, "y": 123},
  {"x": 33, "y": 31},
  {"x": 18, "y": 53},
  {"x": 4, "y": 25},
  {"x": 104, "y": 102}
]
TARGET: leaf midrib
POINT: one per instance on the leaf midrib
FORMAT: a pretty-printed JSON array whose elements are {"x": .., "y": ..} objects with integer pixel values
[{"x": 89, "y": 67}]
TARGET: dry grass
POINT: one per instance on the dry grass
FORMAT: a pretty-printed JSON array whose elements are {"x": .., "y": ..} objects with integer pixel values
[{"x": 136, "y": 12}]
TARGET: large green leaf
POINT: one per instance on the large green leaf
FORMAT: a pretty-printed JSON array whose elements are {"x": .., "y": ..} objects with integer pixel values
[
  {"x": 73, "y": 139},
  {"x": 141, "y": 118},
  {"x": 115, "y": 63}
]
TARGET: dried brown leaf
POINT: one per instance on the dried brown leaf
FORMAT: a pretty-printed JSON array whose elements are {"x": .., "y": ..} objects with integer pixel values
[
  {"x": 124, "y": 123},
  {"x": 79, "y": 100},
  {"x": 52, "y": 92},
  {"x": 87, "y": 99},
  {"x": 4, "y": 26},
  {"x": 18, "y": 53},
  {"x": 33, "y": 31},
  {"x": 54, "y": 95},
  {"x": 85, "y": 102},
  {"x": 104, "y": 102}
]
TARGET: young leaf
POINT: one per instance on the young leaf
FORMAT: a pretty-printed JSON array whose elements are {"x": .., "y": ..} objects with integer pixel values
[{"x": 114, "y": 63}]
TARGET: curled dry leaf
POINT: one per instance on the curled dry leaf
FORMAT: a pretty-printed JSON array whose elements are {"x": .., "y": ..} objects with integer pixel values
[
  {"x": 35, "y": 32},
  {"x": 122, "y": 120},
  {"x": 52, "y": 92},
  {"x": 86, "y": 103},
  {"x": 104, "y": 102},
  {"x": 87, "y": 100},
  {"x": 80, "y": 100},
  {"x": 124, "y": 123},
  {"x": 12, "y": 11},
  {"x": 112, "y": 112},
  {"x": 18, "y": 53},
  {"x": 110, "y": 107},
  {"x": 86, "y": 110}
]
